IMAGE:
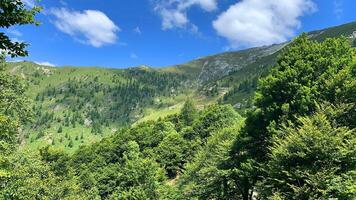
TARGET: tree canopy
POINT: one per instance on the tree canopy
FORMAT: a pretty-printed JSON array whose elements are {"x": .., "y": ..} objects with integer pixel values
[
  {"x": 15, "y": 12},
  {"x": 297, "y": 142}
]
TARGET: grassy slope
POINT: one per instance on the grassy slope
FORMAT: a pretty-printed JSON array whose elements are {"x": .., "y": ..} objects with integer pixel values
[
  {"x": 201, "y": 74},
  {"x": 40, "y": 78}
]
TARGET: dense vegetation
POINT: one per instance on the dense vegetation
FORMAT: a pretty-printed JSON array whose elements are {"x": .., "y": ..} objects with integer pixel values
[
  {"x": 297, "y": 141},
  {"x": 89, "y": 104},
  {"x": 75, "y": 106},
  {"x": 102, "y": 103}
]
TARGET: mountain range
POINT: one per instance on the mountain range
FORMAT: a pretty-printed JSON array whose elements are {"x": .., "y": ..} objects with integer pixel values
[{"x": 79, "y": 105}]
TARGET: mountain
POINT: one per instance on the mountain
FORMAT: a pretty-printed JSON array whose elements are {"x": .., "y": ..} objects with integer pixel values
[
  {"x": 78, "y": 105},
  {"x": 347, "y": 30}
]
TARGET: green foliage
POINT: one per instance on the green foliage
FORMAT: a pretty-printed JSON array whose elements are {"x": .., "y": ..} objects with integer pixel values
[
  {"x": 171, "y": 153},
  {"x": 189, "y": 112},
  {"x": 56, "y": 158},
  {"x": 203, "y": 177},
  {"x": 314, "y": 160},
  {"x": 32, "y": 179},
  {"x": 12, "y": 101},
  {"x": 286, "y": 149},
  {"x": 308, "y": 73},
  {"x": 14, "y": 12},
  {"x": 213, "y": 118},
  {"x": 138, "y": 176},
  {"x": 117, "y": 170},
  {"x": 132, "y": 163},
  {"x": 8, "y": 132},
  {"x": 60, "y": 129},
  {"x": 14, "y": 107},
  {"x": 70, "y": 144},
  {"x": 93, "y": 101}
]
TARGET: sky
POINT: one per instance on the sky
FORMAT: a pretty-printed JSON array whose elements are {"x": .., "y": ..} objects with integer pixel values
[{"x": 157, "y": 33}]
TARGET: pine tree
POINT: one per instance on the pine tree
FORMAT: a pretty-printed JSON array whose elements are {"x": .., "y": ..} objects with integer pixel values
[
  {"x": 70, "y": 144},
  {"x": 189, "y": 112},
  {"x": 60, "y": 129}
]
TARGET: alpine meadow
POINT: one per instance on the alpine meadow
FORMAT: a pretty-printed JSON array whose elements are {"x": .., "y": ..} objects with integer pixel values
[{"x": 268, "y": 117}]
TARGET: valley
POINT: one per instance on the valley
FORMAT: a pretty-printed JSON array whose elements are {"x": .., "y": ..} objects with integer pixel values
[
  {"x": 273, "y": 121},
  {"x": 89, "y": 103}
]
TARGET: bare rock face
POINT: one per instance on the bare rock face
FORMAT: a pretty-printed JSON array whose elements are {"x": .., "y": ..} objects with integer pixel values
[
  {"x": 88, "y": 122},
  {"x": 353, "y": 35},
  {"x": 216, "y": 67}
]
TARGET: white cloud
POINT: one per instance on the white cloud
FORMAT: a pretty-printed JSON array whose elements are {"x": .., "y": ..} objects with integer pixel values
[
  {"x": 133, "y": 56},
  {"x": 338, "y": 8},
  {"x": 14, "y": 32},
  {"x": 90, "y": 26},
  {"x": 174, "y": 12},
  {"x": 15, "y": 61},
  {"x": 29, "y": 3},
  {"x": 45, "y": 64},
  {"x": 137, "y": 30},
  {"x": 16, "y": 40},
  {"x": 63, "y": 3},
  {"x": 255, "y": 22}
]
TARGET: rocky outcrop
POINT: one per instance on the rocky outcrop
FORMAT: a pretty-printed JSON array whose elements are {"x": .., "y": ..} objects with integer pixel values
[{"x": 216, "y": 67}]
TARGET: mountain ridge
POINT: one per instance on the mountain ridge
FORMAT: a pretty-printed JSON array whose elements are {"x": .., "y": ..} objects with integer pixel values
[{"x": 79, "y": 100}]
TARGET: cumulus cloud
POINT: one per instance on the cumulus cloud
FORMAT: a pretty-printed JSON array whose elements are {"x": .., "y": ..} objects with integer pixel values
[
  {"x": 14, "y": 32},
  {"x": 64, "y": 3},
  {"x": 133, "y": 56},
  {"x": 14, "y": 39},
  {"x": 174, "y": 12},
  {"x": 338, "y": 8},
  {"x": 251, "y": 23},
  {"x": 137, "y": 30},
  {"x": 45, "y": 64},
  {"x": 90, "y": 26},
  {"x": 29, "y": 3}
]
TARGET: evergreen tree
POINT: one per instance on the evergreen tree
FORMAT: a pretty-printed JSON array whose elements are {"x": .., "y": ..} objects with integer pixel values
[
  {"x": 313, "y": 160},
  {"x": 202, "y": 178},
  {"x": 170, "y": 153},
  {"x": 308, "y": 72},
  {"x": 60, "y": 129},
  {"x": 70, "y": 144},
  {"x": 189, "y": 112}
]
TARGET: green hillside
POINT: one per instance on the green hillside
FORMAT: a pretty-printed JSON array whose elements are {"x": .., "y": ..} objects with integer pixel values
[
  {"x": 89, "y": 103},
  {"x": 275, "y": 122},
  {"x": 299, "y": 134},
  {"x": 79, "y": 105}
]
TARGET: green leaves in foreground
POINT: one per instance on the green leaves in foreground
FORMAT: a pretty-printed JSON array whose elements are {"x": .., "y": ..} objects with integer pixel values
[
  {"x": 308, "y": 74},
  {"x": 14, "y": 12},
  {"x": 314, "y": 160}
]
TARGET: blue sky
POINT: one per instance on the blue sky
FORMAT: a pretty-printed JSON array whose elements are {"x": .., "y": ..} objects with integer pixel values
[{"x": 118, "y": 33}]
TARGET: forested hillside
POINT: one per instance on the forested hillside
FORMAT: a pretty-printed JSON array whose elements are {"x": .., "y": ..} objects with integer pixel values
[
  {"x": 298, "y": 142},
  {"x": 79, "y": 105},
  {"x": 273, "y": 123}
]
